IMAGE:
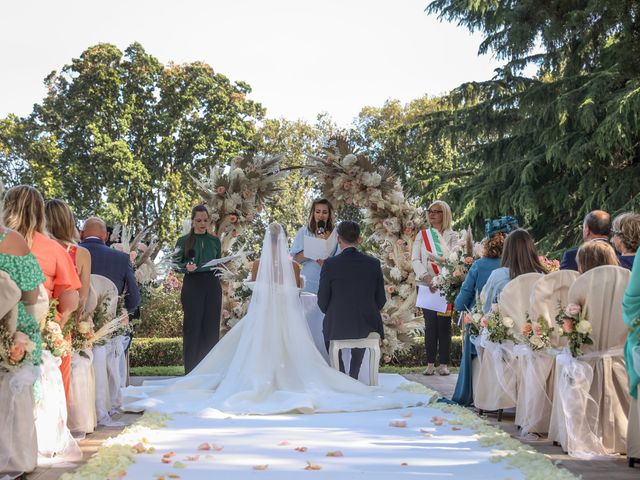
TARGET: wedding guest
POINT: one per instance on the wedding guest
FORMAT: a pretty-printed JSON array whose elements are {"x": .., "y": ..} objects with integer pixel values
[
  {"x": 62, "y": 227},
  {"x": 631, "y": 316},
  {"x": 626, "y": 237},
  {"x": 596, "y": 226},
  {"x": 24, "y": 212},
  {"x": 319, "y": 225},
  {"x": 471, "y": 287},
  {"x": 20, "y": 272},
  {"x": 430, "y": 248},
  {"x": 519, "y": 256},
  {"x": 595, "y": 254},
  {"x": 109, "y": 262},
  {"x": 201, "y": 295}
]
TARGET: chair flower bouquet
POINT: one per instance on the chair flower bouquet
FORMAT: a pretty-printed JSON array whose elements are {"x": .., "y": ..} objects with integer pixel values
[
  {"x": 548, "y": 264},
  {"x": 498, "y": 326},
  {"x": 575, "y": 326},
  {"x": 536, "y": 334},
  {"x": 53, "y": 337},
  {"x": 15, "y": 349}
]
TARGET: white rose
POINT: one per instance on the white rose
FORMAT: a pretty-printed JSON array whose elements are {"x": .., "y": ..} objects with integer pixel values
[
  {"x": 396, "y": 273},
  {"x": 404, "y": 290},
  {"x": 536, "y": 341},
  {"x": 583, "y": 327},
  {"x": 476, "y": 317},
  {"x": 84, "y": 327},
  {"x": 236, "y": 173},
  {"x": 453, "y": 257},
  {"x": 508, "y": 322},
  {"x": 349, "y": 160}
]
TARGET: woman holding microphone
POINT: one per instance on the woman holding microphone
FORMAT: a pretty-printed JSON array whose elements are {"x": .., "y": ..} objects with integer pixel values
[
  {"x": 320, "y": 225},
  {"x": 201, "y": 295}
]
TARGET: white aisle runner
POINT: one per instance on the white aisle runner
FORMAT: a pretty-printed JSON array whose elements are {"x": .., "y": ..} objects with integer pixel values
[{"x": 371, "y": 448}]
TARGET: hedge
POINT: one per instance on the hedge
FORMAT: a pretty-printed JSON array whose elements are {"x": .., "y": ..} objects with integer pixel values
[{"x": 164, "y": 352}]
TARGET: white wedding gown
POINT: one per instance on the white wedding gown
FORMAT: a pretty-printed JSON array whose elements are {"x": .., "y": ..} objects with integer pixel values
[{"x": 268, "y": 363}]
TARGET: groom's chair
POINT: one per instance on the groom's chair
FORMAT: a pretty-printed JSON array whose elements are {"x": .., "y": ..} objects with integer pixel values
[{"x": 371, "y": 343}]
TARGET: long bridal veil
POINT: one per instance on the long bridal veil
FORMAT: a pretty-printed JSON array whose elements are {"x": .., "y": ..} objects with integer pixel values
[{"x": 268, "y": 362}]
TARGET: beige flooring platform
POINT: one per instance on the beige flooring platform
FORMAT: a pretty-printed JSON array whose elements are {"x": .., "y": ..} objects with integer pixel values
[{"x": 615, "y": 469}]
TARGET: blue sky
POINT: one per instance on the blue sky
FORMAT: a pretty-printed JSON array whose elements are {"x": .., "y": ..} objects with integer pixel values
[{"x": 301, "y": 57}]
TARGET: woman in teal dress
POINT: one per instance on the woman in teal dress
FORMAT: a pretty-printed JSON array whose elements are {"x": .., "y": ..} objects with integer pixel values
[
  {"x": 18, "y": 262},
  {"x": 631, "y": 316}
]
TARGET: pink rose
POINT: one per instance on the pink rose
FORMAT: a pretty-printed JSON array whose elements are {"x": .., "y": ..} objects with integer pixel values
[
  {"x": 466, "y": 319},
  {"x": 233, "y": 218},
  {"x": 527, "y": 329},
  {"x": 18, "y": 347},
  {"x": 468, "y": 260},
  {"x": 400, "y": 242},
  {"x": 567, "y": 325},
  {"x": 573, "y": 309},
  {"x": 391, "y": 289},
  {"x": 221, "y": 190},
  {"x": 225, "y": 314},
  {"x": 537, "y": 328},
  {"x": 385, "y": 318},
  {"x": 484, "y": 322},
  {"x": 408, "y": 230}
]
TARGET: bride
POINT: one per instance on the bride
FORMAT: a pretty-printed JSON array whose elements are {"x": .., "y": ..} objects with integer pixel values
[{"x": 268, "y": 362}]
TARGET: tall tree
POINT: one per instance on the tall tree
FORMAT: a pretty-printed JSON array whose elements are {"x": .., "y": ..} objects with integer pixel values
[
  {"x": 120, "y": 135},
  {"x": 552, "y": 147}
]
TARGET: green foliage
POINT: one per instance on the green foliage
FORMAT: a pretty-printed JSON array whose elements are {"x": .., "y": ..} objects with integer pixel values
[
  {"x": 160, "y": 313},
  {"x": 170, "y": 371},
  {"x": 553, "y": 147},
  {"x": 155, "y": 352},
  {"x": 120, "y": 135}
]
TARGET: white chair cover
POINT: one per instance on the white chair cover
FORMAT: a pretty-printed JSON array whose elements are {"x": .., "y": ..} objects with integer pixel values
[
  {"x": 515, "y": 298},
  {"x": 40, "y": 308},
  {"x": 102, "y": 354},
  {"x": 82, "y": 394},
  {"x": 10, "y": 296},
  {"x": 591, "y": 399},
  {"x": 535, "y": 386},
  {"x": 498, "y": 375},
  {"x": 115, "y": 363},
  {"x": 18, "y": 441},
  {"x": 54, "y": 438}
]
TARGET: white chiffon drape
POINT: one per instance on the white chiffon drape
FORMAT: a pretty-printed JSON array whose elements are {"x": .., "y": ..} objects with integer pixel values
[{"x": 268, "y": 363}]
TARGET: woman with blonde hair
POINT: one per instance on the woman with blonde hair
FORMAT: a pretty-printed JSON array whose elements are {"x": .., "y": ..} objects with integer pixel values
[
  {"x": 625, "y": 232},
  {"x": 24, "y": 212},
  {"x": 430, "y": 248},
  {"x": 62, "y": 227},
  {"x": 593, "y": 254}
]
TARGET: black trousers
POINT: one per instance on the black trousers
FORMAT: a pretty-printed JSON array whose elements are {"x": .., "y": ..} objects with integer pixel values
[
  {"x": 201, "y": 299},
  {"x": 357, "y": 354},
  {"x": 437, "y": 336}
]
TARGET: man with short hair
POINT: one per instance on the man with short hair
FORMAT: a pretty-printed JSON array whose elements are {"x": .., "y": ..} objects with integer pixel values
[
  {"x": 596, "y": 226},
  {"x": 351, "y": 294},
  {"x": 110, "y": 263}
]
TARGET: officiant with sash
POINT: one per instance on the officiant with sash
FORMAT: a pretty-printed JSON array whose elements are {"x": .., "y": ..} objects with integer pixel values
[
  {"x": 201, "y": 295},
  {"x": 320, "y": 225},
  {"x": 430, "y": 247}
]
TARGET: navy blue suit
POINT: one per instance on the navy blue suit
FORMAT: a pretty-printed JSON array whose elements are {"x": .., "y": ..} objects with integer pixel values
[
  {"x": 569, "y": 260},
  {"x": 351, "y": 295},
  {"x": 116, "y": 266}
]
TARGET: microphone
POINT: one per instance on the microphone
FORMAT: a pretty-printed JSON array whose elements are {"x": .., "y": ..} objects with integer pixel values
[
  {"x": 191, "y": 255},
  {"x": 321, "y": 227}
]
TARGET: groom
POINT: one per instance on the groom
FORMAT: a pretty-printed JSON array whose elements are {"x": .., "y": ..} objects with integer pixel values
[{"x": 351, "y": 294}]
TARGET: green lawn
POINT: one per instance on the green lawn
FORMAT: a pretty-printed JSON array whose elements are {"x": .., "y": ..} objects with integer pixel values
[{"x": 177, "y": 370}]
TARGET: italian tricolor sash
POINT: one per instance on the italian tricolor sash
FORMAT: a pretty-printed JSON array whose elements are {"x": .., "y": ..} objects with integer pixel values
[{"x": 432, "y": 244}]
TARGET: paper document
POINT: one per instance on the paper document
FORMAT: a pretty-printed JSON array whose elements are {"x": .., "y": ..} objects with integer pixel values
[
  {"x": 431, "y": 301},
  {"x": 217, "y": 261},
  {"x": 317, "y": 248}
]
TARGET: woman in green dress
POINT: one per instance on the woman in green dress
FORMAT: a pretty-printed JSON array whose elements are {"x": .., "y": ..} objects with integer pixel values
[{"x": 201, "y": 294}]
